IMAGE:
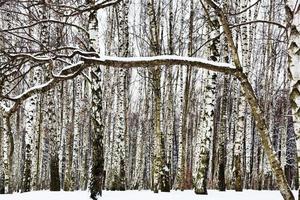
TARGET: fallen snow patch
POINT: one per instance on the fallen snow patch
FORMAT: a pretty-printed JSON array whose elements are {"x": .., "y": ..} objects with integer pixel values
[{"x": 146, "y": 195}]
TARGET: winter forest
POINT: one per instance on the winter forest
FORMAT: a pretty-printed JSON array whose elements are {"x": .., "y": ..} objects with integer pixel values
[{"x": 160, "y": 95}]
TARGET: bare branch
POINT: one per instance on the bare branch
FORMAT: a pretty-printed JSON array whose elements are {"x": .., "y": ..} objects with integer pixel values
[
  {"x": 44, "y": 21},
  {"x": 260, "y": 21}
]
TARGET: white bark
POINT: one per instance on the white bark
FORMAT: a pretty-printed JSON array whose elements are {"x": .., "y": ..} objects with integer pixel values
[
  {"x": 139, "y": 162},
  {"x": 77, "y": 125},
  {"x": 180, "y": 161},
  {"x": 5, "y": 146},
  {"x": 213, "y": 52},
  {"x": 206, "y": 133},
  {"x": 30, "y": 136},
  {"x": 293, "y": 19},
  {"x": 240, "y": 128},
  {"x": 97, "y": 170}
]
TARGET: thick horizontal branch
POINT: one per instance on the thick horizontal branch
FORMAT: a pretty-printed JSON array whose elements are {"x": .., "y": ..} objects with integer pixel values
[
  {"x": 169, "y": 60},
  {"x": 72, "y": 71}
]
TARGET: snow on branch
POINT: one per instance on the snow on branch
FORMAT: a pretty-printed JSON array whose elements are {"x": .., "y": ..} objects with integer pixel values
[
  {"x": 31, "y": 57},
  {"x": 134, "y": 62},
  {"x": 73, "y": 70},
  {"x": 66, "y": 73},
  {"x": 3, "y": 107}
]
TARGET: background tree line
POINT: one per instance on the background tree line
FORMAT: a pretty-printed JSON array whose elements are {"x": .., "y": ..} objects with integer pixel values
[{"x": 168, "y": 127}]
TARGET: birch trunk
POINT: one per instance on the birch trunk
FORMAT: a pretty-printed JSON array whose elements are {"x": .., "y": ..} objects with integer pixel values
[
  {"x": 240, "y": 130},
  {"x": 206, "y": 135},
  {"x": 181, "y": 149},
  {"x": 97, "y": 171},
  {"x": 186, "y": 103},
  {"x": 51, "y": 118},
  {"x": 75, "y": 171},
  {"x": 293, "y": 25},
  {"x": 30, "y": 111},
  {"x": 221, "y": 139},
  {"x": 209, "y": 103},
  {"x": 69, "y": 137},
  {"x": 160, "y": 169},
  {"x": 120, "y": 176},
  {"x": 54, "y": 142},
  {"x": 139, "y": 161},
  {"x": 170, "y": 99},
  {"x": 7, "y": 146}
]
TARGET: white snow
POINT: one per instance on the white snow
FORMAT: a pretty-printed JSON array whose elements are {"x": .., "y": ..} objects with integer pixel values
[
  {"x": 38, "y": 87},
  {"x": 166, "y": 168},
  {"x": 146, "y": 195},
  {"x": 4, "y": 107},
  {"x": 36, "y": 58}
]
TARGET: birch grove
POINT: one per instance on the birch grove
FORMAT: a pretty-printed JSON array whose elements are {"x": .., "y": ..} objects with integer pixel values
[{"x": 149, "y": 94}]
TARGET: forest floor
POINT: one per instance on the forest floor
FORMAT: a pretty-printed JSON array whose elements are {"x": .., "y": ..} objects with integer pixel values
[{"x": 146, "y": 195}]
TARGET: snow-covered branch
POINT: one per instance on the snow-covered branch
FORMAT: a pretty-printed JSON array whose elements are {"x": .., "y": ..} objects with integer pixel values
[
  {"x": 72, "y": 71},
  {"x": 68, "y": 72},
  {"x": 168, "y": 60},
  {"x": 30, "y": 57}
]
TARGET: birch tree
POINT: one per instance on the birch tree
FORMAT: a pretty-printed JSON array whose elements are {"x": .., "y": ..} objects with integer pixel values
[
  {"x": 97, "y": 177},
  {"x": 120, "y": 176},
  {"x": 207, "y": 121},
  {"x": 160, "y": 170},
  {"x": 241, "y": 104},
  {"x": 293, "y": 29}
]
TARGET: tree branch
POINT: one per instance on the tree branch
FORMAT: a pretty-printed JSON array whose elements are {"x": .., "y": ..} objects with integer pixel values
[
  {"x": 160, "y": 60},
  {"x": 259, "y": 21},
  {"x": 146, "y": 62}
]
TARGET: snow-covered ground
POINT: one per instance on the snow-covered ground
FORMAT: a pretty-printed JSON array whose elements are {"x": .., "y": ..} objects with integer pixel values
[{"x": 146, "y": 195}]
